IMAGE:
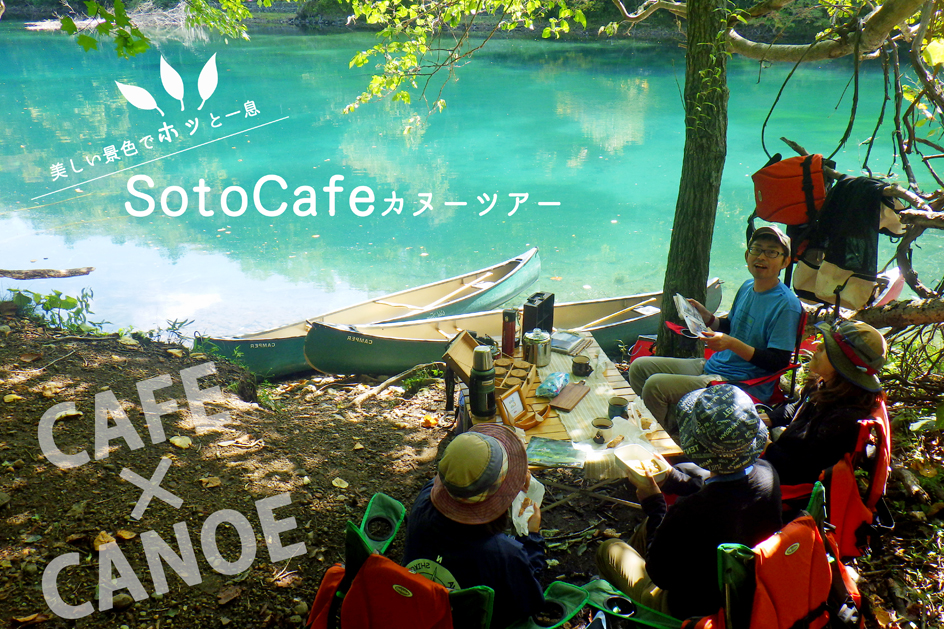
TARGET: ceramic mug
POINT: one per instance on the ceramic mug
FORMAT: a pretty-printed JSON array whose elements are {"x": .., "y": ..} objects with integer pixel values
[
  {"x": 581, "y": 366},
  {"x": 604, "y": 429},
  {"x": 618, "y": 407}
]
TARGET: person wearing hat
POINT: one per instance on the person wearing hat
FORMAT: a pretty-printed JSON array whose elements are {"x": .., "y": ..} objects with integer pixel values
[
  {"x": 756, "y": 338},
  {"x": 456, "y": 528},
  {"x": 842, "y": 387},
  {"x": 729, "y": 495}
]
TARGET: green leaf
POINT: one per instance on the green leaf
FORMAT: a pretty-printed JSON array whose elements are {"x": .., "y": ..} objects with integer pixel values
[
  {"x": 68, "y": 26},
  {"x": 121, "y": 18},
  {"x": 925, "y": 423},
  {"x": 546, "y": 32},
  {"x": 939, "y": 414},
  {"x": 579, "y": 18},
  {"x": 69, "y": 303},
  {"x": 88, "y": 43},
  {"x": 21, "y": 299},
  {"x": 934, "y": 52}
]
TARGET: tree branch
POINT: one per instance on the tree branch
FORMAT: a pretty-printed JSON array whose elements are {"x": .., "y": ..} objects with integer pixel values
[
  {"x": 935, "y": 220},
  {"x": 649, "y": 7},
  {"x": 931, "y": 87},
  {"x": 360, "y": 399},
  {"x": 767, "y": 6},
  {"x": 914, "y": 200},
  {"x": 41, "y": 274},
  {"x": 875, "y": 31}
]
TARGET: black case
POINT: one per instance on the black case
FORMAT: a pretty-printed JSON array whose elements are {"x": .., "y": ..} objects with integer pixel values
[{"x": 538, "y": 312}]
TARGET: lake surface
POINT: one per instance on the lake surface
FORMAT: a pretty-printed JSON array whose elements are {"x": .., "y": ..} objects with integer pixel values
[{"x": 591, "y": 132}]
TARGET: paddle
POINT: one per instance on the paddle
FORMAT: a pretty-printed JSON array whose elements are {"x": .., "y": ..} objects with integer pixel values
[
  {"x": 446, "y": 298},
  {"x": 615, "y": 314}
]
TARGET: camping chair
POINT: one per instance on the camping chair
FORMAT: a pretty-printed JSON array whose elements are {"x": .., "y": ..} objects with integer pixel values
[
  {"x": 860, "y": 516},
  {"x": 778, "y": 396},
  {"x": 371, "y": 591},
  {"x": 818, "y": 589}
]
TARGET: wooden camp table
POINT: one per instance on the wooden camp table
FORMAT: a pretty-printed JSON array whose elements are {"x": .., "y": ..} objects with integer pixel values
[{"x": 605, "y": 382}]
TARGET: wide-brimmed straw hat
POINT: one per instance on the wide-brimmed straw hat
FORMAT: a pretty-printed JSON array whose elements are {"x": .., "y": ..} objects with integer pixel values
[
  {"x": 480, "y": 474},
  {"x": 856, "y": 351},
  {"x": 719, "y": 428}
]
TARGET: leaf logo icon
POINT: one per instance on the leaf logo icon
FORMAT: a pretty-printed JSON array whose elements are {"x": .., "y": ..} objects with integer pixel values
[
  {"x": 206, "y": 84},
  {"x": 173, "y": 84},
  {"x": 139, "y": 97}
]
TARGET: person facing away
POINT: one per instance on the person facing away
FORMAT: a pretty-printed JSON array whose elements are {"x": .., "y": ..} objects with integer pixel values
[
  {"x": 842, "y": 387},
  {"x": 729, "y": 496},
  {"x": 456, "y": 529},
  {"x": 756, "y": 338}
]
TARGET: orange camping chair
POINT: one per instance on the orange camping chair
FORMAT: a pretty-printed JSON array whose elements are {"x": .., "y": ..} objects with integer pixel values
[
  {"x": 860, "y": 516},
  {"x": 778, "y": 396}
]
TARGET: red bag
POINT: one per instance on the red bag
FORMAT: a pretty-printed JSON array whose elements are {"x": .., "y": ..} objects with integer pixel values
[
  {"x": 790, "y": 191},
  {"x": 643, "y": 346}
]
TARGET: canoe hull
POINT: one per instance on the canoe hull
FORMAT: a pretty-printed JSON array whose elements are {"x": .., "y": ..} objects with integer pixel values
[
  {"x": 393, "y": 348},
  {"x": 280, "y": 351},
  {"x": 265, "y": 357}
]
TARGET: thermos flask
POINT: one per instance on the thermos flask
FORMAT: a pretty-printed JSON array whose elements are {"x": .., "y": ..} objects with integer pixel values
[
  {"x": 482, "y": 385},
  {"x": 509, "y": 318}
]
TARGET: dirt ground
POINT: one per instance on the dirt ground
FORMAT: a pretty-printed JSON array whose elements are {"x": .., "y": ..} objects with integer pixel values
[{"x": 310, "y": 444}]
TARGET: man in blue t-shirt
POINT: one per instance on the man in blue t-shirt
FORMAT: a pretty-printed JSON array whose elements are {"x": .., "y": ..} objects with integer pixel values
[{"x": 755, "y": 339}]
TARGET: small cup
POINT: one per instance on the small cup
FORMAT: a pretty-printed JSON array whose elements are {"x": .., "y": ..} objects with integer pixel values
[
  {"x": 581, "y": 366},
  {"x": 618, "y": 407},
  {"x": 604, "y": 429}
]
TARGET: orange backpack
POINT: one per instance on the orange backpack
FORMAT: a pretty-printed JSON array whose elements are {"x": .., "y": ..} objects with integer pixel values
[
  {"x": 799, "y": 553},
  {"x": 382, "y": 595},
  {"x": 790, "y": 191},
  {"x": 791, "y": 579}
]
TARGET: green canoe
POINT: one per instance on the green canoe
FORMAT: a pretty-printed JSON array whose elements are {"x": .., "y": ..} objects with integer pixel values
[
  {"x": 390, "y": 348},
  {"x": 279, "y": 351}
]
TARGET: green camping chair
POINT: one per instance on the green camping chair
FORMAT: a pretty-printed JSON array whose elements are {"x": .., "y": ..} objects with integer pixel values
[
  {"x": 381, "y": 521},
  {"x": 471, "y": 607}
]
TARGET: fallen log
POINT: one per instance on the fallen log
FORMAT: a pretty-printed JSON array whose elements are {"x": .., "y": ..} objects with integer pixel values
[
  {"x": 42, "y": 274},
  {"x": 895, "y": 314}
]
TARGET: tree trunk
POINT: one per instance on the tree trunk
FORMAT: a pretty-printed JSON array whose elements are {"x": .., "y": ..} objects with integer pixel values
[
  {"x": 706, "y": 124},
  {"x": 41, "y": 274}
]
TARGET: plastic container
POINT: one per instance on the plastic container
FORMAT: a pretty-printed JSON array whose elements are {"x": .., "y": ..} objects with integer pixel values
[{"x": 635, "y": 459}]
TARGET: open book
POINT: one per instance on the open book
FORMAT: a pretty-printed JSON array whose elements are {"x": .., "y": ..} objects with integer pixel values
[{"x": 696, "y": 325}]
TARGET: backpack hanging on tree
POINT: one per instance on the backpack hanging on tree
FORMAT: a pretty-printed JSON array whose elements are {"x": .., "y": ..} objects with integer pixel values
[
  {"x": 839, "y": 255},
  {"x": 790, "y": 191}
]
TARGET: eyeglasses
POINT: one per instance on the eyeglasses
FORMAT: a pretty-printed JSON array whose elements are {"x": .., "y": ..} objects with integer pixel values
[{"x": 772, "y": 254}]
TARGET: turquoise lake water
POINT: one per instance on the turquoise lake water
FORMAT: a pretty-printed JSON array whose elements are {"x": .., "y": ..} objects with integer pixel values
[{"x": 591, "y": 132}]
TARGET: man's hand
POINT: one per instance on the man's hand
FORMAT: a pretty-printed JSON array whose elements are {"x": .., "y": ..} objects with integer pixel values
[
  {"x": 718, "y": 341},
  {"x": 705, "y": 314}
]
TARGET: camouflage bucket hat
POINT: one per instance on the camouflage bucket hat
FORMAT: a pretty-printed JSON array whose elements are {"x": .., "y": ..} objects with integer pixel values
[{"x": 719, "y": 428}]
